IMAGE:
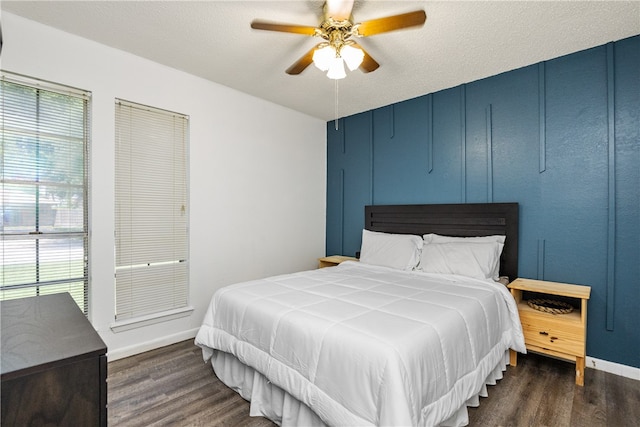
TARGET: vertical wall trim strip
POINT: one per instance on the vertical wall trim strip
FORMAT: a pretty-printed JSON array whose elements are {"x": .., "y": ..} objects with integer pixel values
[
  {"x": 489, "y": 118},
  {"x": 342, "y": 211},
  {"x": 611, "y": 229},
  {"x": 542, "y": 116},
  {"x": 540, "y": 259},
  {"x": 371, "y": 156},
  {"x": 463, "y": 143},
  {"x": 392, "y": 121},
  {"x": 430, "y": 133}
]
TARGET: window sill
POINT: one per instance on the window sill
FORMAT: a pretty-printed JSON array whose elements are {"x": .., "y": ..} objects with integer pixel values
[{"x": 151, "y": 319}]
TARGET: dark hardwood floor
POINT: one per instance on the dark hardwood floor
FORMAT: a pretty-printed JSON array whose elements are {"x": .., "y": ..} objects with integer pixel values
[{"x": 172, "y": 386}]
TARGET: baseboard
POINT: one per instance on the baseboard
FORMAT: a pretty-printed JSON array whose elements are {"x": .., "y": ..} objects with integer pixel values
[
  {"x": 151, "y": 345},
  {"x": 613, "y": 368}
]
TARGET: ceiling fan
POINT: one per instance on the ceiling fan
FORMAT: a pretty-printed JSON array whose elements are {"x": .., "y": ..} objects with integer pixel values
[{"x": 338, "y": 29}]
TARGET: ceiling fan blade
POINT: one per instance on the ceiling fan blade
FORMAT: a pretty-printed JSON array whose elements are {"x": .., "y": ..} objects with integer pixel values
[
  {"x": 302, "y": 63},
  {"x": 391, "y": 23},
  {"x": 285, "y": 28},
  {"x": 368, "y": 63},
  {"x": 339, "y": 10}
]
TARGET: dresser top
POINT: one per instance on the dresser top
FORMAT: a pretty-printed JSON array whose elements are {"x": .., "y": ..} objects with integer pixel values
[{"x": 42, "y": 332}]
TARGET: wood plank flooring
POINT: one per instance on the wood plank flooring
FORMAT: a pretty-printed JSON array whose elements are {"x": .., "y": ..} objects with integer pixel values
[{"x": 172, "y": 386}]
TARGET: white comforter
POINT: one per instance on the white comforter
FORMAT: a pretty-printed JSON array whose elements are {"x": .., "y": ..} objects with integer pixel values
[{"x": 364, "y": 345}]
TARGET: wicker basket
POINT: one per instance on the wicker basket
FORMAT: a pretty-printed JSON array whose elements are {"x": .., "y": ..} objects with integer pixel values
[{"x": 550, "y": 306}]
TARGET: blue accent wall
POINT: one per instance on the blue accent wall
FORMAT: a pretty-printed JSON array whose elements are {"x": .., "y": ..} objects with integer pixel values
[{"x": 561, "y": 138}]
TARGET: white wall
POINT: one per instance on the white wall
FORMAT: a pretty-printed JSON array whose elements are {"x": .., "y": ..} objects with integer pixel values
[{"x": 257, "y": 172}]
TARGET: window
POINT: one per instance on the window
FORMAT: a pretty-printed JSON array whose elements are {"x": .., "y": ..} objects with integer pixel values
[
  {"x": 150, "y": 212},
  {"x": 44, "y": 170}
]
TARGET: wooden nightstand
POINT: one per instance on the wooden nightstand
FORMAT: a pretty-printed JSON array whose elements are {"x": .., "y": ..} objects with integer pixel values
[
  {"x": 559, "y": 335},
  {"x": 333, "y": 260}
]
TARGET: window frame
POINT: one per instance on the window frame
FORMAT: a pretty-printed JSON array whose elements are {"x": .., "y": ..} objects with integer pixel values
[
  {"x": 37, "y": 234},
  {"x": 128, "y": 316}
]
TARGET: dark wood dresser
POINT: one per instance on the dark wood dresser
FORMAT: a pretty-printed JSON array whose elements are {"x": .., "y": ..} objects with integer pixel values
[{"x": 54, "y": 364}]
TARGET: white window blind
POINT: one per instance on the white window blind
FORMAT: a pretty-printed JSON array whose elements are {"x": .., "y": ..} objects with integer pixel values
[
  {"x": 151, "y": 211},
  {"x": 44, "y": 168}
]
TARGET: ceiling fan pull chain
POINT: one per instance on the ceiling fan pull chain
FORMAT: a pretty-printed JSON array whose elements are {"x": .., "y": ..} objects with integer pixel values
[{"x": 336, "y": 105}]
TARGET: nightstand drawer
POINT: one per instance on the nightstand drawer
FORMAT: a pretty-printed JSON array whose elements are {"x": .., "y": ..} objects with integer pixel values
[
  {"x": 564, "y": 340},
  {"x": 570, "y": 323}
]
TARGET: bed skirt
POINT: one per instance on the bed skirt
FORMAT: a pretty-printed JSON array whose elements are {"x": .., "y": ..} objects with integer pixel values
[{"x": 270, "y": 401}]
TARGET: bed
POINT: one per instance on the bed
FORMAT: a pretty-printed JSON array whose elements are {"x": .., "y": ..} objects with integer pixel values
[{"x": 410, "y": 335}]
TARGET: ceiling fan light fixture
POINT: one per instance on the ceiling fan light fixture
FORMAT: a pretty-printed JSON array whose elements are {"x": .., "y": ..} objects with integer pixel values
[
  {"x": 352, "y": 56},
  {"x": 323, "y": 57},
  {"x": 337, "y": 30},
  {"x": 336, "y": 70}
]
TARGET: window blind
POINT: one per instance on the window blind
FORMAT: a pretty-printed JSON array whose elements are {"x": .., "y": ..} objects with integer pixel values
[
  {"x": 44, "y": 174},
  {"x": 150, "y": 210}
]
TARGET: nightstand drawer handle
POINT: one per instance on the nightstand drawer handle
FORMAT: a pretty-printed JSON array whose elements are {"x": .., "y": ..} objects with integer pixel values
[{"x": 544, "y": 333}]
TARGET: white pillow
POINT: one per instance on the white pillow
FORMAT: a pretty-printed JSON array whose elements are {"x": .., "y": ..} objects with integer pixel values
[
  {"x": 400, "y": 251},
  {"x": 437, "y": 238},
  {"x": 471, "y": 259}
]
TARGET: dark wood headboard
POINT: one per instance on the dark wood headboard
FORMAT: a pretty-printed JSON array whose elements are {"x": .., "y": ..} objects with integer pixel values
[{"x": 461, "y": 220}]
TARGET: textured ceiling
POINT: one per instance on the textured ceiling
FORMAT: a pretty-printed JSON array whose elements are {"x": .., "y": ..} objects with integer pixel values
[{"x": 462, "y": 41}]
